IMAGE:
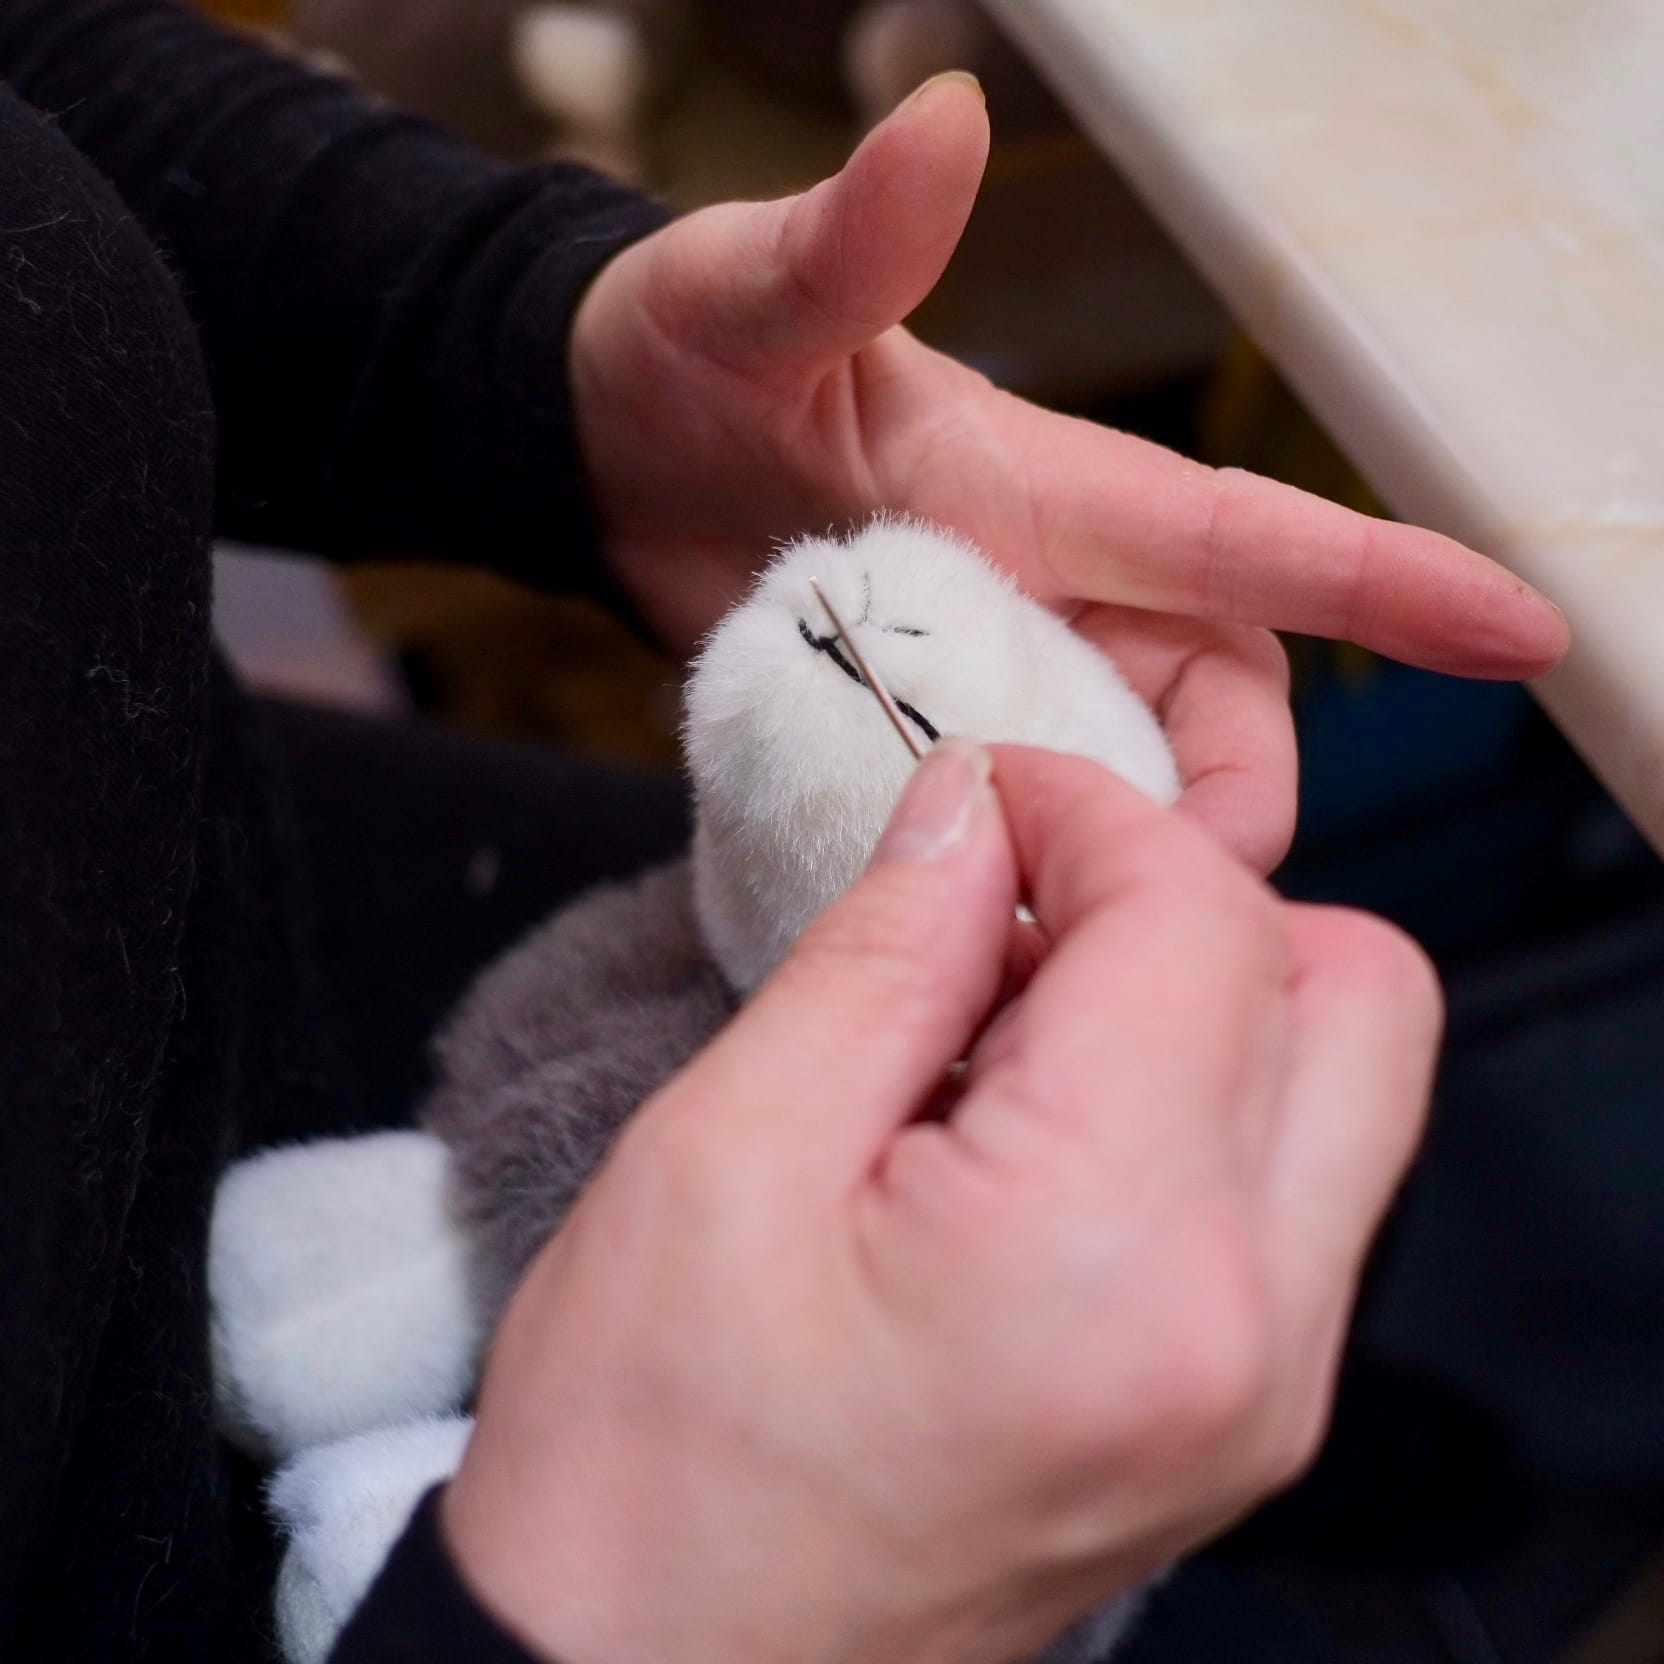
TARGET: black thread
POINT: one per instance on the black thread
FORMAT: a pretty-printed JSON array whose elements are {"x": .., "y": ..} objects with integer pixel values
[
  {"x": 923, "y": 723},
  {"x": 829, "y": 646}
]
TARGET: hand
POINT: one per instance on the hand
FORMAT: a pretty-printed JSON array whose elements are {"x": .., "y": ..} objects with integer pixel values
[
  {"x": 742, "y": 376},
  {"x": 809, "y": 1376}
]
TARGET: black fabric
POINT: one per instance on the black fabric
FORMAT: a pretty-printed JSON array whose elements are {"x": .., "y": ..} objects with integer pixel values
[
  {"x": 418, "y": 1609},
  {"x": 1496, "y": 1467},
  {"x": 384, "y": 312},
  {"x": 105, "y": 458},
  {"x": 457, "y": 846},
  {"x": 354, "y": 343}
]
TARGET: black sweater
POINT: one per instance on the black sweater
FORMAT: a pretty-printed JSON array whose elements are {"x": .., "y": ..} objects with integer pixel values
[{"x": 233, "y": 296}]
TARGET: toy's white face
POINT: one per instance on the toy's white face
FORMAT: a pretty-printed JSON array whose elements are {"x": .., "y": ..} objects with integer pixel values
[
  {"x": 831, "y": 642},
  {"x": 794, "y": 762}
]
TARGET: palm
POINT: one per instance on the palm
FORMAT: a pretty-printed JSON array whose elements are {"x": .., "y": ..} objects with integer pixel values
[{"x": 742, "y": 377}]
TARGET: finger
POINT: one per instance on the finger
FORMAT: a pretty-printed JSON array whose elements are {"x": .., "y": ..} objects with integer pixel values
[
  {"x": 1161, "y": 994},
  {"x": 1365, "y": 1018},
  {"x": 882, "y": 993},
  {"x": 1128, "y": 521},
  {"x": 777, "y": 284},
  {"x": 1221, "y": 691},
  {"x": 1230, "y": 726}
]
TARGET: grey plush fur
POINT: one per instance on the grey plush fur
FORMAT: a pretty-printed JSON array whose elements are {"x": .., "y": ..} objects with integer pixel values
[
  {"x": 550, "y": 1053},
  {"x": 554, "y": 1047}
]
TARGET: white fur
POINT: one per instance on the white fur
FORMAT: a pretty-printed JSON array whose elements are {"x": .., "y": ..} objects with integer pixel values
[
  {"x": 339, "y": 1290},
  {"x": 795, "y": 767},
  {"x": 342, "y": 1507}
]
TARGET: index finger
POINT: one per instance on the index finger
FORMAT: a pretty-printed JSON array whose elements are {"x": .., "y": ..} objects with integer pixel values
[
  {"x": 1163, "y": 991},
  {"x": 1125, "y": 520}
]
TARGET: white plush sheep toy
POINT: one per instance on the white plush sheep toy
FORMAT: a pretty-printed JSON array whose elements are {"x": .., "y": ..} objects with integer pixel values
[{"x": 354, "y": 1281}]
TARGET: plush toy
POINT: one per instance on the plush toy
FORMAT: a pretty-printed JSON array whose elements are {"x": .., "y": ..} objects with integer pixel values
[{"x": 353, "y": 1281}]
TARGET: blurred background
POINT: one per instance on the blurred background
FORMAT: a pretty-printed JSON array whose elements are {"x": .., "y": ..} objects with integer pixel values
[{"x": 1494, "y": 1489}]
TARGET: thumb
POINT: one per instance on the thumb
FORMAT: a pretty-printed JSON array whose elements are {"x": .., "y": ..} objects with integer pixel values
[
  {"x": 853, "y": 1034},
  {"x": 821, "y": 274}
]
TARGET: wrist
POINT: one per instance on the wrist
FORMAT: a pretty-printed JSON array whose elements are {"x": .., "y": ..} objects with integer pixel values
[
  {"x": 540, "y": 1607},
  {"x": 574, "y": 1591},
  {"x": 560, "y": 1579}
]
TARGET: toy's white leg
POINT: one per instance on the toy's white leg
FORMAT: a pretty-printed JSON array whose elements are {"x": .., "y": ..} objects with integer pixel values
[
  {"x": 340, "y": 1292},
  {"x": 342, "y": 1508}
]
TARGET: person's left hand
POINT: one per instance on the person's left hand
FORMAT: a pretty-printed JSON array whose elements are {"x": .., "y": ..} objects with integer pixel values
[{"x": 742, "y": 376}]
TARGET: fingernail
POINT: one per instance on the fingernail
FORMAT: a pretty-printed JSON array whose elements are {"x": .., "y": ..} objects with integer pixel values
[
  {"x": 939, "y": 805},
  {"x": 944, "y": 78}
]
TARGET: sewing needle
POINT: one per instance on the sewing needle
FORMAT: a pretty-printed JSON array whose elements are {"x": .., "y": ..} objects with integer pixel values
[
  {"x": 880, "y": 692},
  {"x": 1025, "y": 914}
]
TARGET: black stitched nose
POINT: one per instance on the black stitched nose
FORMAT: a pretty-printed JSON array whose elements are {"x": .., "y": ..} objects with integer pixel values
[{"x": 829, "y": 646}]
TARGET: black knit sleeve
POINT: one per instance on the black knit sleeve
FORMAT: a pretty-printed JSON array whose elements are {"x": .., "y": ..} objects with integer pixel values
[
  {"x": 384, "y": 311},
  {"x": 417, "y": 1611}
]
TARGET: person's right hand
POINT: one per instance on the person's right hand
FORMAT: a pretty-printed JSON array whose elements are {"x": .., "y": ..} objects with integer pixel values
[{"x": 811, "y": 1375}]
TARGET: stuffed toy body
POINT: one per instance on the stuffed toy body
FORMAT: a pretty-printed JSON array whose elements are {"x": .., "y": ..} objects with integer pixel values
[{"x": 354, "y": 1281}]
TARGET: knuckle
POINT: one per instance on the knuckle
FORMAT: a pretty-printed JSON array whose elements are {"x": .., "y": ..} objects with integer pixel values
[
  {"x": 1300, "y": 1442},
  {"x": 1384, "y": 962},
  {"x": 1217, "y": 1378},
  {"x": 1294, "y": 1430},
  {"x": 1217, "y": 1357}
]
